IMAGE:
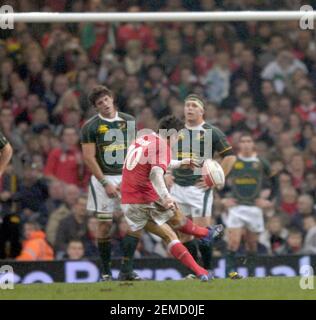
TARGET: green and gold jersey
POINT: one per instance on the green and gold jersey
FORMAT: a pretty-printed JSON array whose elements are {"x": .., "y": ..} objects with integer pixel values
[
  {"x": 247, "y": 178},
  {"x": 192, "y": 143},
  {"x": 111, "y": 137},
  {"x": 3, "y": 140}
]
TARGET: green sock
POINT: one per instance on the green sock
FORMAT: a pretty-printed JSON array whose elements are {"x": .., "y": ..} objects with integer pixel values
[
  {"x": 128, "y": 246},
  {"x": 192, "y": 248},
  {"x": 104, "y": 247},
  {"x": 251, "y": 258},
  {"x": 206, "y": 250},
  {"x": 230, "y": 261}
]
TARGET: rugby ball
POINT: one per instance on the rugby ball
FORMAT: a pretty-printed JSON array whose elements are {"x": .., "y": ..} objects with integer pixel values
[{"x": 213, "y": 174}]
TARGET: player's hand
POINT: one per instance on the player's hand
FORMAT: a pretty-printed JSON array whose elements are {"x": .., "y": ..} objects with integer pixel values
[
  {"x": 201, "y": 184},
  {"x": 168, "y": 203},
  {"x": 264, "y": 203},
  {"x": 228, "y": 202},
  {"x": 111, "y": 190},
  {"x": 169, "y": 180}
]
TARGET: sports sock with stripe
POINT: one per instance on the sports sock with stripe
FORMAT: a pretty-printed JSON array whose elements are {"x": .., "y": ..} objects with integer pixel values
[{"x": 181, "y": 253}]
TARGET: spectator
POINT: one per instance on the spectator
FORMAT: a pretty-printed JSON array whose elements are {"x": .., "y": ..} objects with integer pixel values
[
  {"x": 274, "y": 238},
  {"x": 307, "y": 106},
  {"x": 66, "y": 163},
  {"x": 73, "y": 226},
  {"x": 218, "y": 78},
  {"x": 75, "y": 250},
  {"x": 35, "y": 246},
  {"x": 309, "y": 246},
  {"x": 281, "y": 69},
  {"x": 294, "y": 243},
  {"x": 305, "y": 208},
  {"x": 32, "y": 192},
  {"x": 90, "y": 239},
  {"x": 72, "y": 193},
  {"x": 55, "y": 199}
]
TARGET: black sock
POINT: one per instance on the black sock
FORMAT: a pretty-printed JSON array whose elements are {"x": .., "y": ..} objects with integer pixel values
[
  {"x": 251, "y": 261},
  {"x": 128, "y": 246},
  {"x": 192, "y": 248},
  {"x": 104, "y": 246},
  {"x": 230, "y": 262},
  {"x": 206, "y": 250}
]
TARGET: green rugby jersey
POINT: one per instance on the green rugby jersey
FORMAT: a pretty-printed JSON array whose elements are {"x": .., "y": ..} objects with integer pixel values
[
  {"x": 3, "y": 140},
  {"x": 247, "y": 177},
  {"x": 195, "y": 149},
  {"x": 100, "y": 131}
]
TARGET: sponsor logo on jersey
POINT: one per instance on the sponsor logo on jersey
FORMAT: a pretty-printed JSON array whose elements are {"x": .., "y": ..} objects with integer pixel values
[
  {"x": 103, "y": 128},
  {"x": 239, "y": 165}
]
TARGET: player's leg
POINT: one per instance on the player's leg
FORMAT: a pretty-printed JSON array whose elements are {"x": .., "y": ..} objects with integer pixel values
[
  {"x": 104, "y": 246},
  {"x": 234, "y": 239},
  {"x": 103, "y": 206},
  {"x": 176, "y": 248},
  {"x": 136, "y": 216},
  {"x": 185, "y": 225},
  {"x": 235, "y": 228},
  {"x": 177, "y": 222},
  {"x": 128, "y": 247},
  {"x": 252, "y": 248},
  {"x": 202, "y": 212},
  {"x": 255, "y": 226}
]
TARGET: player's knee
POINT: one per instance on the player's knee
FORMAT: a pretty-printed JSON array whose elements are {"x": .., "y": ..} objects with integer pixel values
[
  {"x": 178, "y": 220},
  {"x": 170, "y": 236},
  {"x": 104, "y": 229},
  {"x": 233, "y": 242}
]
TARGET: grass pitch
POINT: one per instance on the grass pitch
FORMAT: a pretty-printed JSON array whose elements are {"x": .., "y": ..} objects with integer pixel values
[{"x": 218, "y": 289}]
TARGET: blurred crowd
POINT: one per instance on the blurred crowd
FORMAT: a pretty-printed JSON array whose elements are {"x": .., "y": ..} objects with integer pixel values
[{"x": 255, "y": 76}]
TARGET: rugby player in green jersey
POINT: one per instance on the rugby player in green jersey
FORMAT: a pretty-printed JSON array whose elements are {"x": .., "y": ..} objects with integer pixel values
[
  {"x": 245, "y": 206},
  {"x": 104, "y": 140},
  {"x": 188, "y": 189}
]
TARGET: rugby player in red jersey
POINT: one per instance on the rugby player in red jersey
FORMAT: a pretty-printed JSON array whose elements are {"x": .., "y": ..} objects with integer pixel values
[{"x": 146, "y": 201}]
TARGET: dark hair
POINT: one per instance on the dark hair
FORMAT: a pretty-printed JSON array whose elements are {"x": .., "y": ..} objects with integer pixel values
[
  {"x": 170, "y": 122},
  {"x": 246, "y": 134},
  {"x": 74, "y": 240},
  {"x": 97, "y": 92}
]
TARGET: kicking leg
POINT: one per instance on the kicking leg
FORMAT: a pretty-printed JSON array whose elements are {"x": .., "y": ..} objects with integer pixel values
[{"x": 176, "y": 248}]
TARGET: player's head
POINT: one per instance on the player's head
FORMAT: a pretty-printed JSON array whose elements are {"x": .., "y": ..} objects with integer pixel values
[
  {"x": 246, "y": 144},
  {"x": 169, "y": 127},
  {"x": 194, "y": 108},
  {"x": 102, "y": 99}
]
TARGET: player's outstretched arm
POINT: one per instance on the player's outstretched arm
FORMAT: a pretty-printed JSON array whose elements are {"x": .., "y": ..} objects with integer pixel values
[{"x": 5, "y": 157}]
